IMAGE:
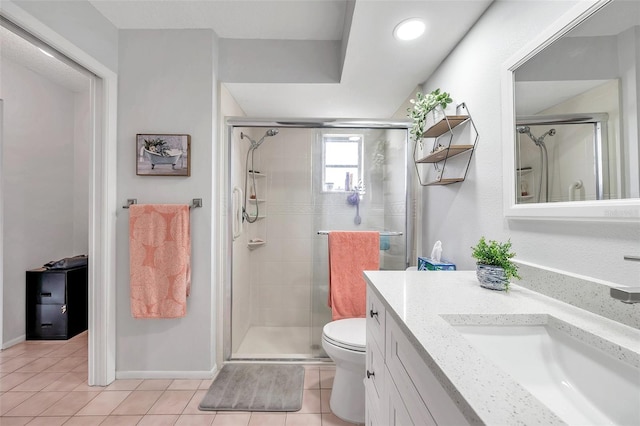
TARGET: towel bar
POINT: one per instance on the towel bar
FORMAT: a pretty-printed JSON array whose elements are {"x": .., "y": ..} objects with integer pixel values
[{"x": 196, "y": 202}]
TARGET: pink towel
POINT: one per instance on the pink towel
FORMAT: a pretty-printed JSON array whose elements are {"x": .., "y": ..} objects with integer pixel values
[
  {"x": 350, "y": 253},
  {"x": 160, "y": 260}
]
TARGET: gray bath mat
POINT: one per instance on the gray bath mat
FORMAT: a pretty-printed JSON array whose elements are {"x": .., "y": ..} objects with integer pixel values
[{"x": 255, "y": 387}]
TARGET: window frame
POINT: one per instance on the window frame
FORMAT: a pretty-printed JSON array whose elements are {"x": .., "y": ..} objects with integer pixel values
[{"x": 341, "y": 138}]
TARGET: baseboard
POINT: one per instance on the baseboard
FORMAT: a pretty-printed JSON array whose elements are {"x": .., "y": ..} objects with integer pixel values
[
  {"x": 15, "y": 341},
  {"x": 185, "y": 375}
]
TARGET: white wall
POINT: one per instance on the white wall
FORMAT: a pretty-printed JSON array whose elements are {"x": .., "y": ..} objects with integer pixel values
[
  {"x": 459, "y": 214},
  {"x": 39, "y": 182},
  {"x": 81, "y": 155},
  {"x": 166, "y": 84}
]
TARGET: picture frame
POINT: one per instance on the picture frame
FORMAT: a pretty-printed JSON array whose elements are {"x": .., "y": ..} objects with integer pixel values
[{"x": 162, "y": 154}]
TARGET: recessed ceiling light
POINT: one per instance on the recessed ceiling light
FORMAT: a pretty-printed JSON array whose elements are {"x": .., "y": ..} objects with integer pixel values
[
  {"x": 45, "y": 52},
  {"x": 409, "y": 29}
]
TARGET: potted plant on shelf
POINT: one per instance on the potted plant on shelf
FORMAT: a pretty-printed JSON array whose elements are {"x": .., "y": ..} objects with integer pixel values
[
  {"x": 494, "y": 266},
  {"x": 422, "y": 106}
]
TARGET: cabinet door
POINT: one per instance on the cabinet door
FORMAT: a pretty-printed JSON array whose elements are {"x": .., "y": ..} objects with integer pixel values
[
  {"x": 419, "y": 387},
  {"x": 400, "y": 415},
  {"x": 374, "y": 381}
]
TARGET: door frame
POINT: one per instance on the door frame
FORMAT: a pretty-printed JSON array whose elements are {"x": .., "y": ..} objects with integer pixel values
[{"x": 102, "y": 197}]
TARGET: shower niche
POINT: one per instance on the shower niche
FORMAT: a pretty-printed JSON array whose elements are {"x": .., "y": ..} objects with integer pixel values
[{"x": 256, "y": 207}]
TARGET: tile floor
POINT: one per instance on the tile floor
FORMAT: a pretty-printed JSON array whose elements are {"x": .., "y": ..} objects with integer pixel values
[{"x": 45, "y": 383}]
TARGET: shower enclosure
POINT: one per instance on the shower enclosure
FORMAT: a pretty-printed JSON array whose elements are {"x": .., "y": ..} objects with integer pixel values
[
  {"x": 566, "y": 158},
  {"x": 289, "y": 184}
]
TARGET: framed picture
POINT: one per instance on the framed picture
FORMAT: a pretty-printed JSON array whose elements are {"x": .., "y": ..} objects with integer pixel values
[{"x": 163, "y": 155}]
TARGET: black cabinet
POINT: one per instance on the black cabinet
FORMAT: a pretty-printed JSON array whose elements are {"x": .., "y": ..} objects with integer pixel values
[{"x": 57, "y": 303}]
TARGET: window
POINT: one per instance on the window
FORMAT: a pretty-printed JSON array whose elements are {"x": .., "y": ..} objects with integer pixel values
[{"x": 342, "y": 162}]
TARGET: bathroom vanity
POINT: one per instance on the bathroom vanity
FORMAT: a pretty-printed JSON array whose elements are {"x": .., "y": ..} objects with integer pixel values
[{"x": 442, "y": 350}]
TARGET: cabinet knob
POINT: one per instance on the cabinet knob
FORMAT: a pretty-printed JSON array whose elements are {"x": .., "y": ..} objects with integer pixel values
[
  {"x": 373, "y": 313},
  {"x": 63, "y": 309},
  {"x": 370, "y": 374}
]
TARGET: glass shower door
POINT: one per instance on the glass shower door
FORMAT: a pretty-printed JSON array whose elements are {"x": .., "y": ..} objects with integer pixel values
[{"x": 378, "y": 177}]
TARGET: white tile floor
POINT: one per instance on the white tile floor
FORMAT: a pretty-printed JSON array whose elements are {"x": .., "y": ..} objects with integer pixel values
[{"x": 45, "y": 383}]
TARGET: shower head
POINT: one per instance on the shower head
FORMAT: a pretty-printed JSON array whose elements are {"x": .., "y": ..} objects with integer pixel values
[
  {"x": 270, "y": 132},
  {"x": 526, "y": 130},
  {"x": 254, "y": 144}
]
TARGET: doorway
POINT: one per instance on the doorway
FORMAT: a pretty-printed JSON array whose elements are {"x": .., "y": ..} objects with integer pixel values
[{"x": 101, "y": 193}]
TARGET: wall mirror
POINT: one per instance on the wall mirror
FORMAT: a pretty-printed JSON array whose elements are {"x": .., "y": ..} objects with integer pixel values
[{"x": 570, "y": 114}]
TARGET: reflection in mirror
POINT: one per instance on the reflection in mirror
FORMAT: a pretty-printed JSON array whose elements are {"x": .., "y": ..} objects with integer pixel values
[{"x": 576, "y": 125}]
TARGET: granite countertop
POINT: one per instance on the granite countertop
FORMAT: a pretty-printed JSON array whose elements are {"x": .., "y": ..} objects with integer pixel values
[{"x": 426, "y": 304}]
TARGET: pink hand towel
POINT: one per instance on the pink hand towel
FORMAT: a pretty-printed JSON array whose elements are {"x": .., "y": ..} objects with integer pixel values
[
  {"x": 160, "y": 260},
  {"x": 351, "y": 253}
]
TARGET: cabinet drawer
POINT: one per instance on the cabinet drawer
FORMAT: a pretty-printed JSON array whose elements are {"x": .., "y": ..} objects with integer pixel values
[
  {"x": 376, "y": 314},
  {"x": 415, "y": 381},
  {"x": 50, "y": 321},
  {"x": 47, "y": 288}
]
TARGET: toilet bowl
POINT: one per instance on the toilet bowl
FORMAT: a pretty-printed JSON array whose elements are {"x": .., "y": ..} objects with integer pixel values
[{"x": 345, "y": 343}]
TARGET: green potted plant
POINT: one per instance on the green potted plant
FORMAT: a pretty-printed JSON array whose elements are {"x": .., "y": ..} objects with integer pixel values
[
  {"x": 422, "y": 106},
  {"x": 494, "y": 266}
]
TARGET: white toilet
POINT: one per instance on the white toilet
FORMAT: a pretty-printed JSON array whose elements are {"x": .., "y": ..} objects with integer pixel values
[{"x": 345, "y": 342}]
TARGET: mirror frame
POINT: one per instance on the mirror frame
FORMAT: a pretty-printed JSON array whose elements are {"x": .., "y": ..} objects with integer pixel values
[{"x": 624, "y": 210}]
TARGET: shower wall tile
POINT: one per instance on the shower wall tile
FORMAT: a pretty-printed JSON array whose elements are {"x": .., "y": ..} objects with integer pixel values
[
  {"x": 270, "y": 252},
  {"x": 268, "y": 273},
  {"x": 290, "y": 225},
  {"x": 297, "y": 273},
  {"x": 282, "y": 272},
  {"x": 296, "y": 250},
  {"x": 285, "y": 318}
]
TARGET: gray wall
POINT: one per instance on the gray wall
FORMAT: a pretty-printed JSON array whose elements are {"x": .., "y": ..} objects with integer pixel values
[
  {"x": 45, "y": 208},
  {"x": 459, "y": 214},
  {"x": 166, "y": 84}
]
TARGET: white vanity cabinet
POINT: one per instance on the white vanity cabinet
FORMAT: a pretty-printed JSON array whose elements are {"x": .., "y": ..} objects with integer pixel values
[{"x": 400, "y": 387}]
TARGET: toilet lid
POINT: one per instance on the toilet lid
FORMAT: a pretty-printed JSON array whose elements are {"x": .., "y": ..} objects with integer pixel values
[{"x": 348, "y": 333}]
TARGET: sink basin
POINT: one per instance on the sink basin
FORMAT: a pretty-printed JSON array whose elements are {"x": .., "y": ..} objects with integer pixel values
[{"x": 581, "y": 383}]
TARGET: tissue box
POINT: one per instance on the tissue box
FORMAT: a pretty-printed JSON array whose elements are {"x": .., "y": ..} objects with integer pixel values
[{"x": 427, "y": 264}]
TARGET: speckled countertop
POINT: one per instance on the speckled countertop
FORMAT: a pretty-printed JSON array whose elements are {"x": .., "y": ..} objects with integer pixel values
[{"x": 426, "y": 304}]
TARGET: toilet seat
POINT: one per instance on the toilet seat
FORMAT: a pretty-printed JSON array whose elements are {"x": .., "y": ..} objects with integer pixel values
[{"x": 350, "y": 334}]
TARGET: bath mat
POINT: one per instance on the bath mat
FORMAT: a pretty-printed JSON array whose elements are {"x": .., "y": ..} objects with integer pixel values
[{"x": 255, "y": 387}]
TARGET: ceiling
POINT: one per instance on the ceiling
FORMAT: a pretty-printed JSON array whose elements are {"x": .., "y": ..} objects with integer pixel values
[
  {"x": 375, "y": 73},
  {"x": 18, "y": 50}
]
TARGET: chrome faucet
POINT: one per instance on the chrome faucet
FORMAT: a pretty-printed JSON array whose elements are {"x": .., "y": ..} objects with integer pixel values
[{"x": 627, "y": 294}]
